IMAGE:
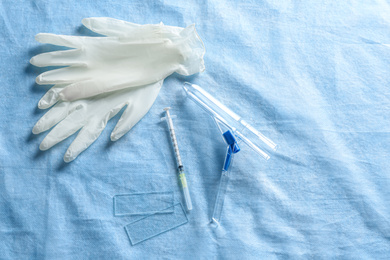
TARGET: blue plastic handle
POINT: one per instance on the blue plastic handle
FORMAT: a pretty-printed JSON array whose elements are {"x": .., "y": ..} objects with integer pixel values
[{"x": 233, "y": 148}]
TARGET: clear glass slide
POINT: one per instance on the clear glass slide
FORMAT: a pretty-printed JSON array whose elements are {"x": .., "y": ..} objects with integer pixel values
[
  {"x": 156, "y": 224},
  {"x": 143, "y": 203}
]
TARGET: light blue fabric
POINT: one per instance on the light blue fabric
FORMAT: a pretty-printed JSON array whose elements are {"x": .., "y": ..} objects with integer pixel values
[{"x": 311, "y": 75}]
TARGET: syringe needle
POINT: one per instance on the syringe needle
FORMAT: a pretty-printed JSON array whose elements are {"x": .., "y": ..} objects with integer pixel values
[{"x": 180, "y": 167}]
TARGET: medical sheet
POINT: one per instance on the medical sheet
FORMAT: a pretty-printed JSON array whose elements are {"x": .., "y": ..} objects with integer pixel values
[{"x": 313, "y": 76}]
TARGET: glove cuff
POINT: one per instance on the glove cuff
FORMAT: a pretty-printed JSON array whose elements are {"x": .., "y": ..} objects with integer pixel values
[{"x": 193, "y": 50}]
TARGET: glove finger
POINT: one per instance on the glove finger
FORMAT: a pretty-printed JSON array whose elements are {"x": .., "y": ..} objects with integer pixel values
[
  {"x": 63, "y": 75},
  {"x": 51, "y": 97},
  {"x": 67, "y": 127},
  {"x": 82, "y": 89},
  {"x": 58, "y": 58},
  {"x": 52, "y": 117},
  {"x": 60, "y": 40},
  {"x": 143, "y": 100},
  {"x": 90, "y": 88},
  {"x": 89, "y": 134},
  {"x": 109, "y": 26}
]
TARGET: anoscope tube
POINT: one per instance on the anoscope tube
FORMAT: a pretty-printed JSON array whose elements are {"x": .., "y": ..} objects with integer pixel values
[
  {"x": 217, "y": 212},
  {"x": 244, "y": 131}
]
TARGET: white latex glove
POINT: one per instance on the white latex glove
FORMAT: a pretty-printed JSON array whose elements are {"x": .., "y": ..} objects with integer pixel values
[
  {"x": 92, "y": 115},
  {"x": 122, "y": 29},
  {"x": 141, "y": 55}
]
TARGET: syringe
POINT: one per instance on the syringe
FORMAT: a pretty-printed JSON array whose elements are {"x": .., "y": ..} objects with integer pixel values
[{"x": 180, "y": 168}]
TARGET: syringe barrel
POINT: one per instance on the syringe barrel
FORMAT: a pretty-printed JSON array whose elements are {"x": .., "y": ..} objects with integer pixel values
[
  {"x": 180, "y": 168},
  {"x": 172, "y": 134}
]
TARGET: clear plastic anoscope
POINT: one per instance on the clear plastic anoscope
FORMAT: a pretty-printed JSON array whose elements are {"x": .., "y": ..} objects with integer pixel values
[
  {"x": 227, "y": 118},
  {"x": 234, "y": 130}
]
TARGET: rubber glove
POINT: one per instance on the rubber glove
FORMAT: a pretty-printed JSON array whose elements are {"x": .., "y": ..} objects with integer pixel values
[
  {"x": 122, "y": 29},
  {"x": 91, "y": 116},
  {"x": 141, "y": 55}
]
